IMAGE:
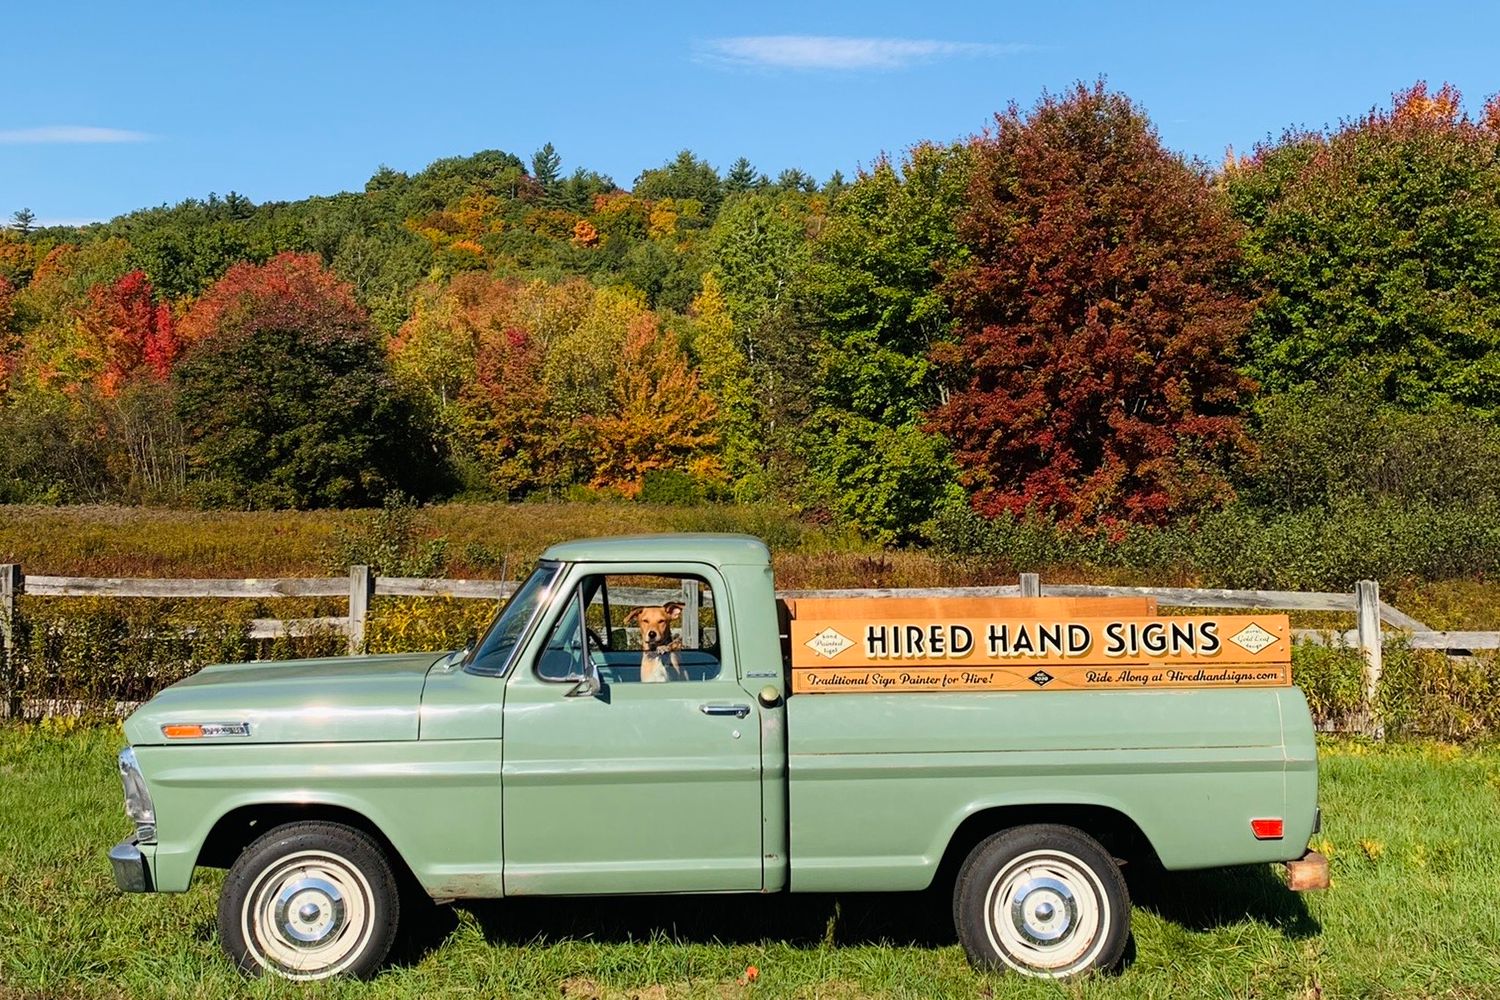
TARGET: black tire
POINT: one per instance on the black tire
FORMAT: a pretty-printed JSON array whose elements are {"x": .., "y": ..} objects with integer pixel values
[
  {"x": 308, "y": 901},
  {"x": 1044, "y": 901}
]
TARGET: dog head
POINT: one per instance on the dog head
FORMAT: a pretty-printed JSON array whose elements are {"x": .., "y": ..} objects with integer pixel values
[{"x": 656, "y": 623}]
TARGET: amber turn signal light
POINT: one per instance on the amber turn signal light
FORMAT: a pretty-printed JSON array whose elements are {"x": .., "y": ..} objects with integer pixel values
[{"x": 182, "y": 731}]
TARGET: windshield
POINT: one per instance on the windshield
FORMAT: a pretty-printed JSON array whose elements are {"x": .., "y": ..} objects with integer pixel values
[{"x": 493, "y": 654}]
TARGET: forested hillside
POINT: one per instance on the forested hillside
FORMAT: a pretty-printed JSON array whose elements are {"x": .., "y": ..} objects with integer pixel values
[{"x": 1059, "y": 328}]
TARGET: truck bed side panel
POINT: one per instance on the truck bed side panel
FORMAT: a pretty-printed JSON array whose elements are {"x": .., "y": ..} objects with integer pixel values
[{"x": 879, "y": 783}]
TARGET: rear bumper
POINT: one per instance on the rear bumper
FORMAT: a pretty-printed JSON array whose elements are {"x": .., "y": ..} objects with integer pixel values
[
  {"x": 1307, "y": 873},
  {"x": 132, "y": 874}
]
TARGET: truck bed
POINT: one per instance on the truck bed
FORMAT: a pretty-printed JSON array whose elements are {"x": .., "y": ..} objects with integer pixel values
[{"x": 869, "y": 773}]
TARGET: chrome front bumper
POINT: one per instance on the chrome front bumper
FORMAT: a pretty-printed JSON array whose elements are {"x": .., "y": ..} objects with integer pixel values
[{"x": 132, "y": 874}]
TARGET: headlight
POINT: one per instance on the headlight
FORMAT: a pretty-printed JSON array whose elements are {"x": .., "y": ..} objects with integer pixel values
[{"x": 138, "y": 805}]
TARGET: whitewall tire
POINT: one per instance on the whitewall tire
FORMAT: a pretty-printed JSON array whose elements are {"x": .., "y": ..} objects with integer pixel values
[
  {"x": 1044, "y": 901},
  {"x": 309, "y": 901}
]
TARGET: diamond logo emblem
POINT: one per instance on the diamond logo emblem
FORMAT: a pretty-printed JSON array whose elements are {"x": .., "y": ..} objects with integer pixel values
[
  {"x": 829, "y": 643},
  {"x": 1041, "y": 678},
  {"x": 1252, "y": 638}
]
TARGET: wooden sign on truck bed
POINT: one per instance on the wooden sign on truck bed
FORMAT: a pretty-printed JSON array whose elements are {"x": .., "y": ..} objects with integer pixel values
[{"x": 1029, "y": 644}]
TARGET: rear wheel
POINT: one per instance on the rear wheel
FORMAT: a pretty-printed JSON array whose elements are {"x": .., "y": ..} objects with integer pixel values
[
  {"x": 1043, "y": 900},
  {"x": 309, "y": 901}
]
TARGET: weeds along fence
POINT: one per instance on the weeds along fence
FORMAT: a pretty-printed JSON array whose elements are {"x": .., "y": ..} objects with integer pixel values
[{"x": 125, "y": 659}]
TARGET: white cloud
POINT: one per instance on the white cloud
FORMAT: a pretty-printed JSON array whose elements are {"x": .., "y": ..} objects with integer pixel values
[
  {"x": 53, "y": 134},
  {"x": 842, "y": 53}
]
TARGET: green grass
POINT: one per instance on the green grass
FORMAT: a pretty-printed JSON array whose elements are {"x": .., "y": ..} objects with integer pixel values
[{"x": 1414, "y": 834}]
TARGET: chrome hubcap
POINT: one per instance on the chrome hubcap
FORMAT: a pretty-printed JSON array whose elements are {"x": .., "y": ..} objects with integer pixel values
[
  {"x": 310, "y": 910},
  {"x": 1043, "y": 910}
]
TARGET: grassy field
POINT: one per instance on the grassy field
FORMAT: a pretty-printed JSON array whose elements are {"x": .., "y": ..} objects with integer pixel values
[
  {"x": 483, "y": 540},
  {"x": 1413, "y": 833}
]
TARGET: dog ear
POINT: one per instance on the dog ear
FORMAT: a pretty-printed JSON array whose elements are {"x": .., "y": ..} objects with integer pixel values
[
  {"x": 673, "y": 609},
  {"x": 632, "y": 616}
]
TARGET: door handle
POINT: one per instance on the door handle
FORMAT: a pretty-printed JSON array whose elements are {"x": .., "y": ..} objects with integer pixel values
[{"x": 711, "y": 708}]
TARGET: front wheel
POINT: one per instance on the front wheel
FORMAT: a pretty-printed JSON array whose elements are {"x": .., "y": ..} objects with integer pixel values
[
  {"x": 1044, "y": 900},
  {"x": 309, "y": 901}
]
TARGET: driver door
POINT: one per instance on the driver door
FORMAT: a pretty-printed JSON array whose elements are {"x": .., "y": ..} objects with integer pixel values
[{"x": 642, "y": 787}]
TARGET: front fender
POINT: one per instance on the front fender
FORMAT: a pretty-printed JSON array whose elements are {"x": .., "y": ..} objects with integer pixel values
[{"x": 437, "y": 802}]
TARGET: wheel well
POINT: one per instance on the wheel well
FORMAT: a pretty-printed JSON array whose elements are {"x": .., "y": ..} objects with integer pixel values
[
  {"x": 240, "y": 827},
  {"x": 1115, "y": 831}
]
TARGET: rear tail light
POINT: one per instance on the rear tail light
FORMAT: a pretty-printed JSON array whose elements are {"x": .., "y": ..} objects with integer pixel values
[{"x": 1267, "y": 829}]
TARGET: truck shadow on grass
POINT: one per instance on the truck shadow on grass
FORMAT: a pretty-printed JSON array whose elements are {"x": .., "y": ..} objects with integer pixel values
[
  {"x": 1198, "y": 901},
  {"x": 1220, "y": 897}
]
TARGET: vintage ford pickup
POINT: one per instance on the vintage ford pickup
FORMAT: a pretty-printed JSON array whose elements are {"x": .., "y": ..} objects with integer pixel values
[{"x": 645, "y": 716}]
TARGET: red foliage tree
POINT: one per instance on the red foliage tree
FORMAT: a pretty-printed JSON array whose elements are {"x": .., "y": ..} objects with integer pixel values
[
  {"x": 290, "y": 291},
  {"x": 136, "y": 334},
  {"x": 1099, "y": 312}
]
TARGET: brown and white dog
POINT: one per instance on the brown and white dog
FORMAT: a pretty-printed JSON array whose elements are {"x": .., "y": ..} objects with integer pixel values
[{"x": 659, "y": 661}]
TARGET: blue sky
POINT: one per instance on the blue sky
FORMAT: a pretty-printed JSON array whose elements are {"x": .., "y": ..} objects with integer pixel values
[{"x": 110, "y": 107}]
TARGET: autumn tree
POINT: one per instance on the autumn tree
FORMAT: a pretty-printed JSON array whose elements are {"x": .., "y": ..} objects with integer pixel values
[
  {"x": 658, "y": 416},
  {"x": 470, "y": 356},
  {"x": 136, "y": 335},
  {"x": 1378, "y": 244},
  {"x": 507, "y": 418},
  {"x": 1099, "y": 313},
  {"x": 287, "y": 398}
]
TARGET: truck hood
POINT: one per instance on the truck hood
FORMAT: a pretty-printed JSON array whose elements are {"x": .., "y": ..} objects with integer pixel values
[{"x": 335, "y": 699}]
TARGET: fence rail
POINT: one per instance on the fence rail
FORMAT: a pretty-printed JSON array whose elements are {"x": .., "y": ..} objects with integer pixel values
[{"x": 361, "y": 586}]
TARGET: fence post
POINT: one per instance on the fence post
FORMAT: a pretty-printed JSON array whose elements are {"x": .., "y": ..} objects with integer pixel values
[
  {"x": 12, "y": 582},
  {"x": 361, "y": 589},
  {"x": 1031, "y": 585},
  {"x": 1367, "y": 623},
  {"x": 690, "y": 600}
]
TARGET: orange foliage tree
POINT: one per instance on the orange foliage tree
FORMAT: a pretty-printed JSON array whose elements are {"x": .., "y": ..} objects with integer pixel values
[{"x": 660, "y": 418}]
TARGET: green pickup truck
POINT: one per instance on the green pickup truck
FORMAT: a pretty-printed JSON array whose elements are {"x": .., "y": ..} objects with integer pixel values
[{"x": 633, "y": 722}]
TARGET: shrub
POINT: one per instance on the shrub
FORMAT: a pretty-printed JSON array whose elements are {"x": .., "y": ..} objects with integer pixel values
[
  {"x": 1241, "y": 546},
  {"x": 1425, "y": 693},
  {"x": 389, "y": 542},
  {"x": 1332, "y": 678},
  {"x": 402, "y": 625},
  {"x": 1317, "y": 447},
  {"x": 96, "y": 657},
  {"x": 669, "y": 486}
]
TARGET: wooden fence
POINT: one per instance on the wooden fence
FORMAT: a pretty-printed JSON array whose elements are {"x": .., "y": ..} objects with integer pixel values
[{"x": 361, "y": 585}]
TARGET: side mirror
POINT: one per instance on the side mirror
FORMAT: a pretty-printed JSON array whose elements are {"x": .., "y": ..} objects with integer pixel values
[{"x": 590, "y": 684}]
